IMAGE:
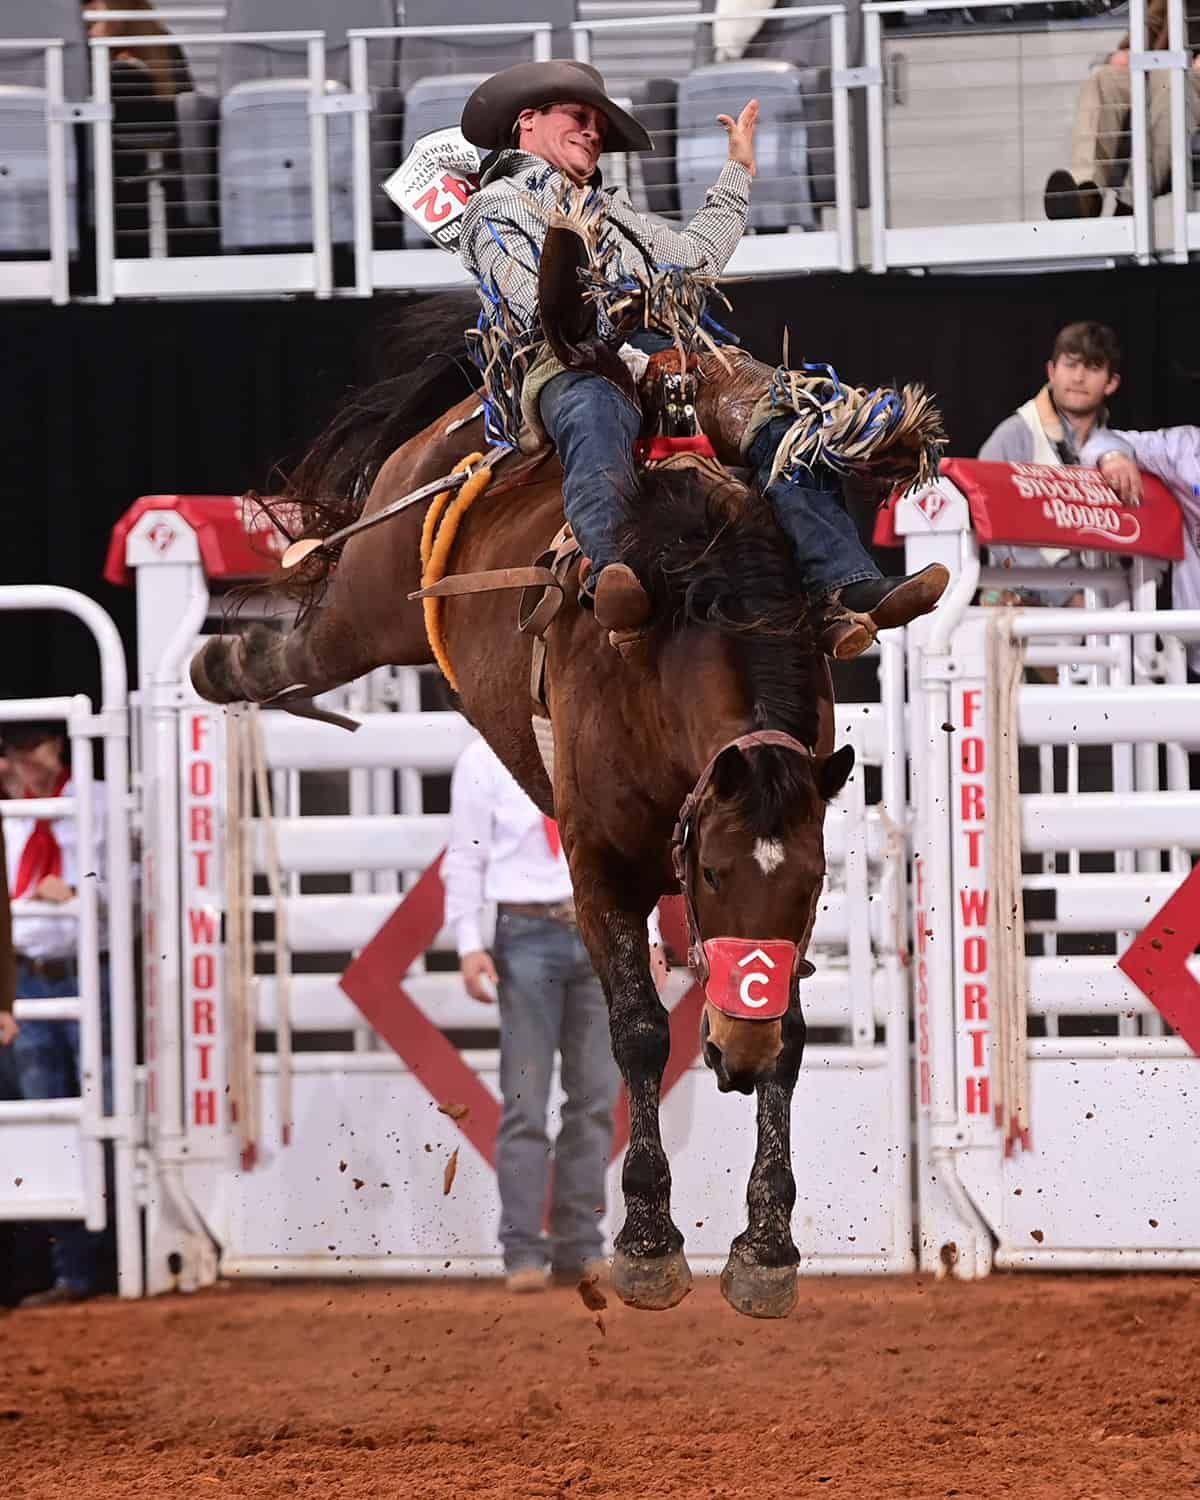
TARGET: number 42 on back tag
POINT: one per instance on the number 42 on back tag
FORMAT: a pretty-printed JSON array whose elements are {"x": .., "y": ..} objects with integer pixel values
[{"x": 434, "y": 183}]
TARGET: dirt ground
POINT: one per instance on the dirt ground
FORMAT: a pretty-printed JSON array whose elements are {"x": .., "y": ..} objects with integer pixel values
[{"x": 1077, "y": 1388}]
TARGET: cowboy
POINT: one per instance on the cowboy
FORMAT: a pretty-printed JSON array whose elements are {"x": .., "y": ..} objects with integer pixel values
[{"x": 544, "y": 126}]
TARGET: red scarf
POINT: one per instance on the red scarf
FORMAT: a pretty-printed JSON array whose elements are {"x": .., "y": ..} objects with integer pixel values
[
  {"x": 553, "y": 842},
  {"x": 42, "y": 854}
]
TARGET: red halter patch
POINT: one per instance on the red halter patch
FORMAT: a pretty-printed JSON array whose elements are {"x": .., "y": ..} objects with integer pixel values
[{"x": 749, "y": 978}]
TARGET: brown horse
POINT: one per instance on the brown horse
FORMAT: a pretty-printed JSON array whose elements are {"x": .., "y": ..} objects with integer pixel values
[{"x": 680, "y": 716}]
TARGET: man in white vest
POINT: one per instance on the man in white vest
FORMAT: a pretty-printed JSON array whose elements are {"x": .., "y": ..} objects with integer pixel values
[{"x": 1066, "y": 416}]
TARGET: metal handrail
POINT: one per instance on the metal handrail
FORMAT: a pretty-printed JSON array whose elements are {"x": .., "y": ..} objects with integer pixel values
[
  {"x": 102, "y": 147},
  {"x": 874, "y": 11},
  {"x": 838, "y": 57},
  {"x": 56, "y": 158},
  {"x": 358, "y": 37}
]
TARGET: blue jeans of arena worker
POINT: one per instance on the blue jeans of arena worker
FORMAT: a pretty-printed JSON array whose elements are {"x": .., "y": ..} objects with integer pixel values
[
  {"x": 594, "y": 428},
  {"x": 47, "y": 1059},
  {"x": 551, "y": 1002}
]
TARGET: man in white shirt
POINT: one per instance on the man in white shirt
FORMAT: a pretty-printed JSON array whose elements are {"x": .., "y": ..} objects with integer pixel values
[
  {"x": 45, "y": 867},
  {"x": 503, "y": 850}
]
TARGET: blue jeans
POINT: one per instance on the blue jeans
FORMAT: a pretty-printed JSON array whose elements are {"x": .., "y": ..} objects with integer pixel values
[
  {"x": 823, "y": 535},
  {"x": 593, "y": 427},
  {"x": 47, "y": 1058},
  {"x": 551, "y": 1001}
]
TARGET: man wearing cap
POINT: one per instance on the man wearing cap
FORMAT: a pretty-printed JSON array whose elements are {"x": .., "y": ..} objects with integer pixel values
[{"x": 544, "y": 126}]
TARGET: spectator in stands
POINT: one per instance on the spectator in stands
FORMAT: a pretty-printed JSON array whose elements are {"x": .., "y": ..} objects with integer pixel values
[
  {"x": 1054, "y": 427},
  {"x": 158, "y": 69},
  {"x": 1102, "y": 123},
  {"x": 503, "y": 850},
  {"x": 44, "y": 865},
  {"x": 740, "y": 22},
  {"x": 1173, "y": 454}
]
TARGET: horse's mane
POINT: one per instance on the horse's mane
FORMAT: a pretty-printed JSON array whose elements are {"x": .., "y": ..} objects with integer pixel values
[
  {"x": 713, "y": 555},
  {"x": 426, "y": 371}
]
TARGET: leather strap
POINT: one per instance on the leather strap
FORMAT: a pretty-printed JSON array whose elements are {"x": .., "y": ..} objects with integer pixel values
[
  {"x": 297, "y": 700},
  {"x": 490, "y": 581}
]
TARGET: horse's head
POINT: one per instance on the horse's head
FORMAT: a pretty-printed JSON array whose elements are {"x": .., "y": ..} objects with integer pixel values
[{"x": 751, "y": 857}]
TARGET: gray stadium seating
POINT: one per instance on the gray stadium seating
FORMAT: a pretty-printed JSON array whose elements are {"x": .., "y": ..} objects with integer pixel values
[
  {"x": 804, "y": 42},
  {"x": 24, "y": 160},
  {"x": 426, "y": 57},
  {"x": 782, "y": 194},
  {"x": 254, "y": 139}
]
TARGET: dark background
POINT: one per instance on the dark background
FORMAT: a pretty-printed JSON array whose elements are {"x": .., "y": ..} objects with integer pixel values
[{"x": 104, "y": 404}]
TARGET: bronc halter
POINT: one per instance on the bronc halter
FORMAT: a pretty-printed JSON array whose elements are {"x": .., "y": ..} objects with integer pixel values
[{"x": 722, "y": 964}]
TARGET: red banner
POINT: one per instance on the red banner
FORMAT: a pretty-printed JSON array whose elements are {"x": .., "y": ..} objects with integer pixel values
[{"x": 1053, "y": 506}]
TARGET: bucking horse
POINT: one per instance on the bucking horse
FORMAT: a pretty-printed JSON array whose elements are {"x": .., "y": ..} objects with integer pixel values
[{"x": 699, "y": 756}]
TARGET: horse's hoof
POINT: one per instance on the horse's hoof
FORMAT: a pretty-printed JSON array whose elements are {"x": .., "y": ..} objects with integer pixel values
[
  {"x": 652, "y": 1283},
  {"x": 210, "y": 671},
  {"x": 758, "y": 1291}
]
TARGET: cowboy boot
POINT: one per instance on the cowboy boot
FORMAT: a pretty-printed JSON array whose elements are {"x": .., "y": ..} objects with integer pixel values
[
  {"x": 856, "y": 614},
  {"x": 620, "y": 602}
]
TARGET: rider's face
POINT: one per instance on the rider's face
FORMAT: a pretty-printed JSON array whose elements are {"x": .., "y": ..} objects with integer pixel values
[{"x": 568, "y": 136}]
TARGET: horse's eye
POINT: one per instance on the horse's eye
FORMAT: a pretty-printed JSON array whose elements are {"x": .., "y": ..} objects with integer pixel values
[{"x": 711, "y": 879}]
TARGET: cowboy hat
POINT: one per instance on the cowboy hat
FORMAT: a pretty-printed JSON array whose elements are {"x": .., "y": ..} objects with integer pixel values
[{"x": 492, "y": 110}]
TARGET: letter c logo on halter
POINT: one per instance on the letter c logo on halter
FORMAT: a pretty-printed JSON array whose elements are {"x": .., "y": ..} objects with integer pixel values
[{"x": 744, "y": 994}]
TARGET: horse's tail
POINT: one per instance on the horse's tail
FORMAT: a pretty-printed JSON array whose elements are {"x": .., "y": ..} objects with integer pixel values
[{"x": 329, "y": 485}]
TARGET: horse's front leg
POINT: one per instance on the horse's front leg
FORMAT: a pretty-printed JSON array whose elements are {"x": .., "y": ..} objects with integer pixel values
[
  {"x": 649, "y": 1268},
  {"x": 759, "y": 1278}
]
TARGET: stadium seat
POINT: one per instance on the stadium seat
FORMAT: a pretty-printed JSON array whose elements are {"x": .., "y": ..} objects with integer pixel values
[
  {"x": 429, "y": 56},
  {"x": 803, "y": 41},
  {"x": 24, "y": 158},
  {"x": 248, "y": 149},
  {"x": 782, "y": 195}
]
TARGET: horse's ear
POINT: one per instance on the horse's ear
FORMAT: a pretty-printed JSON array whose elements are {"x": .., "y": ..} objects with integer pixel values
[
  {"x": 834, "y": 771},
  {"x": 729, "y": 773}
]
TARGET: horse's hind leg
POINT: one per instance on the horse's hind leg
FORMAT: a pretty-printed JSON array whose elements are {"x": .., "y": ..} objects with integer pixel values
[
  {"x": 759, "y": 1278},
  {"x": 258, "y": 663},
  {"x": 649, "y": 1269}
]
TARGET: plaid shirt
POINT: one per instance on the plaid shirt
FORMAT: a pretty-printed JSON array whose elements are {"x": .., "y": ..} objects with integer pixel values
[{"x": 505, "y": 224}]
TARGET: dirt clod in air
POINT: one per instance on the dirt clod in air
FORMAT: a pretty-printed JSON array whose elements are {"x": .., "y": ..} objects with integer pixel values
[{"x": 590, "y": 1294}]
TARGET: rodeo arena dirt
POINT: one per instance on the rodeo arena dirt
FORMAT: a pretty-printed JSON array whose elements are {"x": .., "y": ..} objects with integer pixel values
[{"x": 700, "y": 1001}]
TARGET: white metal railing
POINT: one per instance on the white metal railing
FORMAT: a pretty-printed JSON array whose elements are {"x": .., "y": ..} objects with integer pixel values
[
  {"x": 943, "y": 114},
  {"x": 822, "y": 105},
  {"x": 386, "y": 268},
  {"x": 97, "y": 1120},
  {"x": 42, "y": 277},
  {"x": 285, "y": 271},
  {"x": 900, "y": 129}
]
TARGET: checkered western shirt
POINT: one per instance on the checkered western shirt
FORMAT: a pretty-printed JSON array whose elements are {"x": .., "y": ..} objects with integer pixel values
[{"x": 505, "y": 224}]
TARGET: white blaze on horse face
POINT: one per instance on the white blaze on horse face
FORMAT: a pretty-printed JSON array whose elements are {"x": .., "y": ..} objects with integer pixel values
[{"x": 768, "y": 855}]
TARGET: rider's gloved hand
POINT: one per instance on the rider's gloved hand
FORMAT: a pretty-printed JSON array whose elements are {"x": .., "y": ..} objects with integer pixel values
[{"x": 741, "y": 136}]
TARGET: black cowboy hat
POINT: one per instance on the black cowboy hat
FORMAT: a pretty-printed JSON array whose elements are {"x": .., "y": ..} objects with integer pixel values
[{"x": 492, "y": 110}]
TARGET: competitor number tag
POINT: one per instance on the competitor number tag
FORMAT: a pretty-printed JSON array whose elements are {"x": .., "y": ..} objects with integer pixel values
[{"x": 433, "y": 183}]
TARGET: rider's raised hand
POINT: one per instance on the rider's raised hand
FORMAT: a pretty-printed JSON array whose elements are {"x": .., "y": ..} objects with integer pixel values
[{"x": 741, "y": 136}]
